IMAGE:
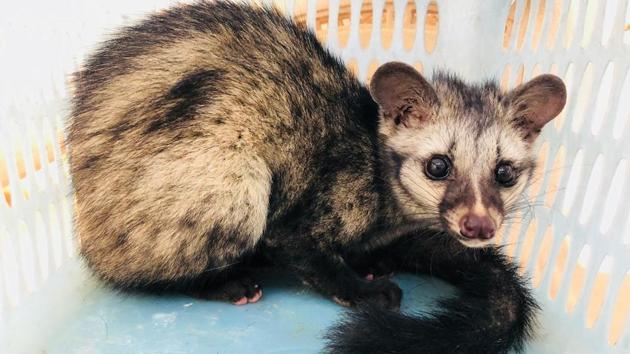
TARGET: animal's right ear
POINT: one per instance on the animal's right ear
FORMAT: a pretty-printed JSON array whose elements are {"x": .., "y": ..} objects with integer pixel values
[
  {"x": 403, "y": 95},
  {"x": 537, "y": 102}
]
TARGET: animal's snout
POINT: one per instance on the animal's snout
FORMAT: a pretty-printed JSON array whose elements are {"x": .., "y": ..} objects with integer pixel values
[{"x": 475, "y": 226}]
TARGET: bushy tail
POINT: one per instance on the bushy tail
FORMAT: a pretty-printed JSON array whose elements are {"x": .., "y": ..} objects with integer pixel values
[{"x": 492, "y": 314}]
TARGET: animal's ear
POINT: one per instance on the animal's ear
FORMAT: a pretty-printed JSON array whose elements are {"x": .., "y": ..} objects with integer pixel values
[
  {"x": 535, "y": 103},
  {"x": 403, "y": 95}
]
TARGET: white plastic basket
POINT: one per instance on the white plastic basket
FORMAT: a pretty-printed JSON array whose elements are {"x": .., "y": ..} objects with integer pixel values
[{"x": 575, "y": 243}]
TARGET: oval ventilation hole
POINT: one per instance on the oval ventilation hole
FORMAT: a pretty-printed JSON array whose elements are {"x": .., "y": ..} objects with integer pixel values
[
  {"x": 599, "y": 291},
  {"x": 555, "y": 175},
  {"x": 67, "y": 229},
  {"x": 10, "y": 269},
  {"x": 410, "y": 25},
  {"x": 505, "y": 77},
  {"x": 508, "y": 224},
  {"x": 509, "y": 25},
  {"x": 63, "y": 160},
  {"x": 572, "y": 185},
  {"x": 365, "y": 24},
  {"x": 371, "y": 69},
  {"x": 37, "y": 161},
  {"x": 321, "y": 20},
  {"x": 574, "y": 9},
  {"x": 280, "y": 6},
  {"x": 41, "y": 244},
  {"x": 4, "y": 180},
  {"x": 540, "y": 268},
  {"x": 387, "y": 25},
  {"x": 540, "y": 18},
  {"x": 528, "y": 245},
  {"x": 520, "y": 74},
  {"x": 593, "y": 190},
  {"x": 62, "y": 144},
  {"x": 55, "y": 236},
  {"x": 498, "y": 238},
  {"x": 19, "y": 162},
  {"x": 431, "y": 27},
  {"x": 589, "y": 22},
  {"x": 343, "y": 22},
  {"x": 556, "y": 15},
  {"x": 512, "y": 238},
  {"x": 623, "y": 108},
  {"x": 300, "y": 12},
  {"x": 353, "y": 67},
  {"x": 58, "y": 174},
  {"x": 568, "y": 80},
  {"x": 583, "y": 98},
  {"x": 539, "y": 172},
  {"x": 50, "y": 151},
  {"x": 27, "y": 257},
  {"x": 40, "y": 178},
  {"x": 418, "y": 66},
  {"x": 602, "y": 101},
  {"x": 524, "y": 20},
  {"x": 615, "y": 193},
  {"x": 620, "y": 312},
  {"x": 609, "y": 21},
  {"x": 560, "y": 266},
  {"x": 626, "y": 28},
  {"x": 579, "y": 278}
]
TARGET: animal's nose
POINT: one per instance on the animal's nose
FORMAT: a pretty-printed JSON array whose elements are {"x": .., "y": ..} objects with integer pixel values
[{"x": 474, "y": 226}]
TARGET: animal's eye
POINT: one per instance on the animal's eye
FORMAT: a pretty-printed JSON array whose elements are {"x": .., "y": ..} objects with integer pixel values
[
  {"x": 505, "y": 175},
  {"x": 438, "y": 167}
]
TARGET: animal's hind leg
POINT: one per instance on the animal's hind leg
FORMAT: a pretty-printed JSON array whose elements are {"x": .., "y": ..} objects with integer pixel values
[
  {"x": 372, "y": 265},
  {"x": 206, "y": 215},
  {"x": 238, "y": 286},
  {"x": 240, "y": 198}
]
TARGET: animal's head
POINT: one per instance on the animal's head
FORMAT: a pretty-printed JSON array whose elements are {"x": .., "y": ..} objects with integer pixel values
[{"x": 461, "y": 155}]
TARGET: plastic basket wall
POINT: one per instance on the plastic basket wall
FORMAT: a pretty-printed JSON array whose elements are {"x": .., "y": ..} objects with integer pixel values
[{"x": 574, "y": 241}]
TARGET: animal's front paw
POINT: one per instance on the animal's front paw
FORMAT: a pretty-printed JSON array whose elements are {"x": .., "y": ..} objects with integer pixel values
[
  {"x": 240, "y": 290},
  {"x": 381, "y": 292},
  {"x": 380, "y": 269}
]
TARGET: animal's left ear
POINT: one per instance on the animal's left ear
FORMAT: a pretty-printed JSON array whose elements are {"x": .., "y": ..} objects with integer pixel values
[
  {"x": 403, "y": 95},
  {"x": 535, "y": 103}
]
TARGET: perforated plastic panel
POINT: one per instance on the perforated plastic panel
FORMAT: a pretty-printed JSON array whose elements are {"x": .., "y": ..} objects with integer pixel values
[{"x": 574, "y": 238}]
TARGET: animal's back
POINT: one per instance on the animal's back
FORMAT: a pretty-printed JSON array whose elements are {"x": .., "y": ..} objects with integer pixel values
[{"x": 179, "y": 126}]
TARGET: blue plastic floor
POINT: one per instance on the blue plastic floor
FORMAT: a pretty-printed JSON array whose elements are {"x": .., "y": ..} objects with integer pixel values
[{"x": 288, "y": 319}]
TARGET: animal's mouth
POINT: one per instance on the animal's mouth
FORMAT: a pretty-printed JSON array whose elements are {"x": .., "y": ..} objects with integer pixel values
[{"x": 472, "y": 243}]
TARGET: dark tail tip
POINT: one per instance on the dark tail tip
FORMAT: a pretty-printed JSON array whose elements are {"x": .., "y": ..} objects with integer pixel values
[{"x": 461, "y": 325}]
